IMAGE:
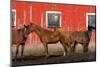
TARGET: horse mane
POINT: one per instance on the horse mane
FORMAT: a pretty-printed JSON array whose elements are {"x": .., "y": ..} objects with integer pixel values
[{"x": 40, "y": 28}]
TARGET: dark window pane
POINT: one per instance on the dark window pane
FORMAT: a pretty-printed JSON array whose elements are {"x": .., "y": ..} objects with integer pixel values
[
  {"x": 13, "y": 18},
  {"x": 92, "y": 20},
  {"x": 53, "y": 20}
]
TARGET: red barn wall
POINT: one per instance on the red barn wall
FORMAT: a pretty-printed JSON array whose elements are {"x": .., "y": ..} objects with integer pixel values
[{"x": 73, "y": 17}]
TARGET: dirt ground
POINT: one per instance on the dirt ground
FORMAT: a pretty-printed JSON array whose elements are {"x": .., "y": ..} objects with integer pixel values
[
  {"x": 53, "y": 59},
  {"x": 35, "y": 55}
]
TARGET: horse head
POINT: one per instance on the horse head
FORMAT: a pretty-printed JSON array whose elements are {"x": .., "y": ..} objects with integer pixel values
[
  {"x": 32, "y": 27},
  {"x": 26, "y": 30}
]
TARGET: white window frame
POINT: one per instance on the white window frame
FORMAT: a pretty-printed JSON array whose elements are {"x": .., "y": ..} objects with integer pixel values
[
  {"x": 87, "y": 14},
  {"x": 14, "y": 10},
  {"x": 56, "y": 12}
]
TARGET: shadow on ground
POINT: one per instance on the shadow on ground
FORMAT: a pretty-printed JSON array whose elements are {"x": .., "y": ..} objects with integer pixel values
[{"x": 40, "y": 60}]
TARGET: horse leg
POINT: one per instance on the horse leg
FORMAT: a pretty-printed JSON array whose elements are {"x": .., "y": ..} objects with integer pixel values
[
  {"x": 69, "y": 48},
  {"x": 73, "y": 47},
  {"x": 65, "y": 49},
  {"x": 17, "y": 49},
  {"x": 85, "y": 47},
  {"x": 23, "y": 45},
  {"x": 46, "y": 50}
]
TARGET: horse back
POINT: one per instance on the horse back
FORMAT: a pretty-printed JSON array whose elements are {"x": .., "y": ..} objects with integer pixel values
[
  {"x": 50, "y": 36},
  {"x": 81, "y": 36},
  {"x": 66, "y": 36}
]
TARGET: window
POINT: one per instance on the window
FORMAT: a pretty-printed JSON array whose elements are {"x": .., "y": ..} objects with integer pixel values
[
  {"x": 91, "y": 20},
  {"x": 13, "y": 18},
  {"x": 53, "y": 19}
]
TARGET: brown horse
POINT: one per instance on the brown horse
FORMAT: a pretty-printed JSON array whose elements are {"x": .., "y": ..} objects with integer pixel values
[
  {"x": 83, "y": 38},
  {"x": 19, "y": 37},
  {"x": 71, "y": 39},
  {"x": 67, "y": 40},
  {"x": 46, "y": 36}
]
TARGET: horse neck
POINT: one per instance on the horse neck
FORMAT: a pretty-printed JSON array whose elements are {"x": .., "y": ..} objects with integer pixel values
[
  {"x": 22, "y": 32},
  {"x": 39, "y": 31}
]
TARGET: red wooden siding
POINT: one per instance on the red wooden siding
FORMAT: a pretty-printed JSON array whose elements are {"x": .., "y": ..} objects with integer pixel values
[{"x": 73, "y": 17}]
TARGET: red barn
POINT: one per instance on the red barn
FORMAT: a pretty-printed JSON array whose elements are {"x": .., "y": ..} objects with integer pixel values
[{"x": 66, "y": 16}]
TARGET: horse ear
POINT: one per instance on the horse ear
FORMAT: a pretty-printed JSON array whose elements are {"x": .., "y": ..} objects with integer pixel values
[{"x": 25, "y": 25}]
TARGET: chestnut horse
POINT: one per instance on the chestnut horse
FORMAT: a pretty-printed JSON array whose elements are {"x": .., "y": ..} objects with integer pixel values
[
  {"x": 67, "y": 40},
  {"x": 19, "y": 37},
  {"x": 46, "y": 36}
]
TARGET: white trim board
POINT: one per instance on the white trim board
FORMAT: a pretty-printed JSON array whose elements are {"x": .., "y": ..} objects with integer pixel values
[
  {"x": 87, "y": 14},
  {"x": 14, "y": 10}
]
